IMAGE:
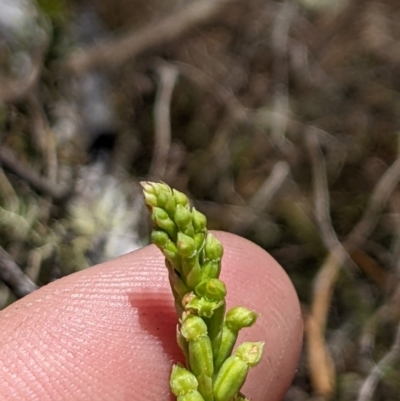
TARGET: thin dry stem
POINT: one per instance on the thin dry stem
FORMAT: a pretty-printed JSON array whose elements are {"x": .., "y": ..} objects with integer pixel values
[
  {"x": 13, "y": 276},
  {"x": 321, "y": 365},
  {"x": 321, "y": 198},
  {"x": 262, "y": 198},
  {"x": 279, "y": 42},
  {"x": 378, "y": 372},
  {"x": 168, "y": 75},
  {"x": 260, "y": 201},
  {"x": 225, "y": 96},
  {"x": 41, "y": 185},
  {"x": 115, "y": 51},
  {"x": 378, "y": 201}
]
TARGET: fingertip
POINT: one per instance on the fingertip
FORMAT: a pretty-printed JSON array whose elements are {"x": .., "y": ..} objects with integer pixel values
[{"x": 109, "y": 331}]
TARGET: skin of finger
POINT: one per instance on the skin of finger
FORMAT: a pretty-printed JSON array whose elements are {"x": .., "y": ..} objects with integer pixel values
[{"x": 109, "y": 332}]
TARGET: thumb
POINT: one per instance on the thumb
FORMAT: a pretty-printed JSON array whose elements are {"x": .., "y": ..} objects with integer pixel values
[{"x": 108, "y": 332}]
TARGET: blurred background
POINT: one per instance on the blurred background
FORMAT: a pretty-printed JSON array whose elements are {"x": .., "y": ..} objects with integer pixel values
[{"x": 280, "y": 119}]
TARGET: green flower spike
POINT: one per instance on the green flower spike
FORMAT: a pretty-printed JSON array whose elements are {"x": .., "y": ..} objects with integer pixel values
[{"x": 205, "y": 334}]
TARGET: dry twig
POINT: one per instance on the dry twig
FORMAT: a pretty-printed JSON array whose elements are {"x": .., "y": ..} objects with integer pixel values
[
  {"x": 10, "y": 162},
  {"x": 259, "y": 202},
  {"x": 225, "y": 96},
  {"x": 370, "y": 383},
  {"x": 321, "y": 365},
  {"x": 115, "y": 51},
  {"x": 246, "y": 216},
  {"x": 13, "y": 276},
  {"x": 379, "y": 198},
  {"x": 321, "y": 198}
]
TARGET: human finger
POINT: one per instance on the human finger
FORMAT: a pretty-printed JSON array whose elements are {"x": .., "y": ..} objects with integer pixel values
[{"x": 108, "y": 332}]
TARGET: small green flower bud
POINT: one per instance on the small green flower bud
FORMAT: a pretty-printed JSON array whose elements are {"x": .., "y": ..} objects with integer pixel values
[
  {"x": 182, "y": 381},
  {"x": 189, "y": 264},
  {"x": 194, "y": 330},
  {"x": 236, "y": 319},
  {"x": 199, "y": 220},
  {"x": 180, "y": 198},
  {"x": 202, "y": 306},
  {"x": 205, "y": 387},
  {"x": 213, "y": 249},
  {"x": 160, "y": 214},
  {"x": 230, "y": 379},
  {"x": 239, "y": 317},
  {"x": 214, "y": 326},
  {"x": 171, "y": 254},
  {"x": 187, "y": 298},
  {"x": 163, "y": 187},
  {"x": 194, "y": 276},
  {"x": 250, "y": 352},
  {"x": 170, "y": 207},
  {"x": 182, "y": 217},
  {"x": 159, "y": 238},
  {"x": 227, "y": 342},
  {"x": 161, "y": 220},
  {"x": 201, "y": 357},
  {"x": 211, "y": 269},
  {"x": 186, "y": 245},
  {"x": 162, "y": 199},
  {"x": 193, "y": 327},
  {"x": 150, "y": 199},
  {"x": 212, "y": 289},
  {"x": 199, "y": 239},
  {"x": 234, "y": 370},
  {"x": 148, "y": 187},
  {"x": 163, "y": 192}
]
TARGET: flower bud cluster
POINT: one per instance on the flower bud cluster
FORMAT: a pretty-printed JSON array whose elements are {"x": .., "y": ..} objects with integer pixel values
[
  {"x": 193, "y": 255},
  {"x": 205, "y": 333}
]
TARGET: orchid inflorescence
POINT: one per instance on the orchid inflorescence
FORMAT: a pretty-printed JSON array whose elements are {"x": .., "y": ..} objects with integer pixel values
[{"x": 206, "y": 333}]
